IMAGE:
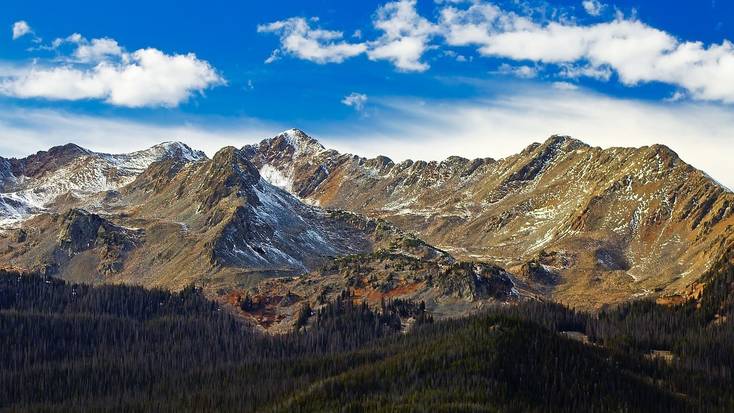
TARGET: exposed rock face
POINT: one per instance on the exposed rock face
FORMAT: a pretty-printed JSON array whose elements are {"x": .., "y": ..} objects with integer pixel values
[
  {"x": 632, "y": 221},
  {"x": 476, "y": 281},
  {"x": 538, "y": 272},
  {"x": 20, "y": 236},
  {"x": 77, "y": 245},
  {"x": 290, "y": 152},
  {"x": 81, "y": 231},
  {"x": 41, "y": 163}
]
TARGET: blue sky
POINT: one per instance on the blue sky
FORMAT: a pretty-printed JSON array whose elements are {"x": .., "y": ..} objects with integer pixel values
[{"x": 410, "y": 79}]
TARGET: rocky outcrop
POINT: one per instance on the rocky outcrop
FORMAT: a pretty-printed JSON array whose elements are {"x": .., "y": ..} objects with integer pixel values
[
  {"x": 43, "y": 162},
  {"x": 443, "y": 286},
  {"x": 476, "y": 281},
  {"x": 81, "y": 231}
]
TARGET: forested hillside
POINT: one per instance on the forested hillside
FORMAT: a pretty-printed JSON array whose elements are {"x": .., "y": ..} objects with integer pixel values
[{"x": 118, "y": 348}]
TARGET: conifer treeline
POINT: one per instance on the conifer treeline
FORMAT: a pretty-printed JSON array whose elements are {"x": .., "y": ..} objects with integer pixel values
[{"x": 118, "y": 348}]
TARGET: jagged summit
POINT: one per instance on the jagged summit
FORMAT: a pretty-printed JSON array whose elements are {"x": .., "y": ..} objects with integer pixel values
[
  {"x": 178, "y": 149},
  {"x": 229, "y": 171},
  {"x": 233, "y": 161},
  {"x": 304, "y": 144},
  {"x": 563, "y": 143},
  {"x": 139, "y": 160},
  {"x": 563, "y": 140},
  {"x": 69, "y": 148},
  {"x": 299, "y": 141},
  {"x": 39, "y": 163}
]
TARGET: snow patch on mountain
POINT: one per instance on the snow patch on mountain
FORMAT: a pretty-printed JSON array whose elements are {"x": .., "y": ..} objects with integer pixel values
[
  {"x": 278, "y": 231},
  {"x": 14, "y": 209},
  {"x": 276, "y": 177},
  {"x": 282, "y": 210},
  {"x": 137, "y": 162}
]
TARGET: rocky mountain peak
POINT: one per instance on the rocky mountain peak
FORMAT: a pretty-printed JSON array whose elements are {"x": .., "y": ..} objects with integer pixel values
[
  {"x": 231, "y": 159},
  {"x": 229, "y": 172},
  {"x": 299, "y": 141},
  {"x": 536, "y": 158},
  {"x": 178, "y": 150},
  {"x": 564, "y": 142},
  {"x": 69, "y": 173},
  {"x": 42, "y": 162},
  {"x": 556, "y": 143},
  {"x": 68, "y": 149},
  {"x": 135, "y": 163},
  {"x": 664, "y": 153}
]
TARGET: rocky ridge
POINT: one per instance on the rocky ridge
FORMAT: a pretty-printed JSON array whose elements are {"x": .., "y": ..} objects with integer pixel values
[
  {"x": 288, "y": 223},
  {"x": 631, "y": 222}
]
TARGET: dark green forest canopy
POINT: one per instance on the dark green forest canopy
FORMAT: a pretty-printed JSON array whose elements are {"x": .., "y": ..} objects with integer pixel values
[{"x": 120, "y": 348}]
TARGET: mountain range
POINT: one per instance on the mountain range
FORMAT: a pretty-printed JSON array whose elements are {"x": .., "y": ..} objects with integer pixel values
[{"x": 288, "y": 221}]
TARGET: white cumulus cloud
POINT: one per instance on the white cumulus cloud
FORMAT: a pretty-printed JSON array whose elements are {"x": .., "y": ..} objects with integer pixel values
[
  {"x": 299, "y": 39},
  {"x": 98, "y": 50},
  {"x": 101, "y": 69},
  {"x": 406, "y": 36},
  {"x": 355, "y": 100},
  {"x": 525, "y": 72},
  {"x": 593, "y": 7},
  {"x": 20, "y": 29},
  {"x": 636, "y": 52}
]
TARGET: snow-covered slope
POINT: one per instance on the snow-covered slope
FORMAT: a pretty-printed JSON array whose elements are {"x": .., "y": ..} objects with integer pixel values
[
  {"x": 136, "y": 162},
  {"x": 292, "y": 146},
  {"x": 32, "y": 184}
]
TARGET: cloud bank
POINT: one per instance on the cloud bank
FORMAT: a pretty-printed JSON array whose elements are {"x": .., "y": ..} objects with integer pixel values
[
  {"x": 414, "y": 128},
  {"x": 26, "y": 131},
  {"x": 626, "y": 47},
  {"x": 504, "y": 125}
]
